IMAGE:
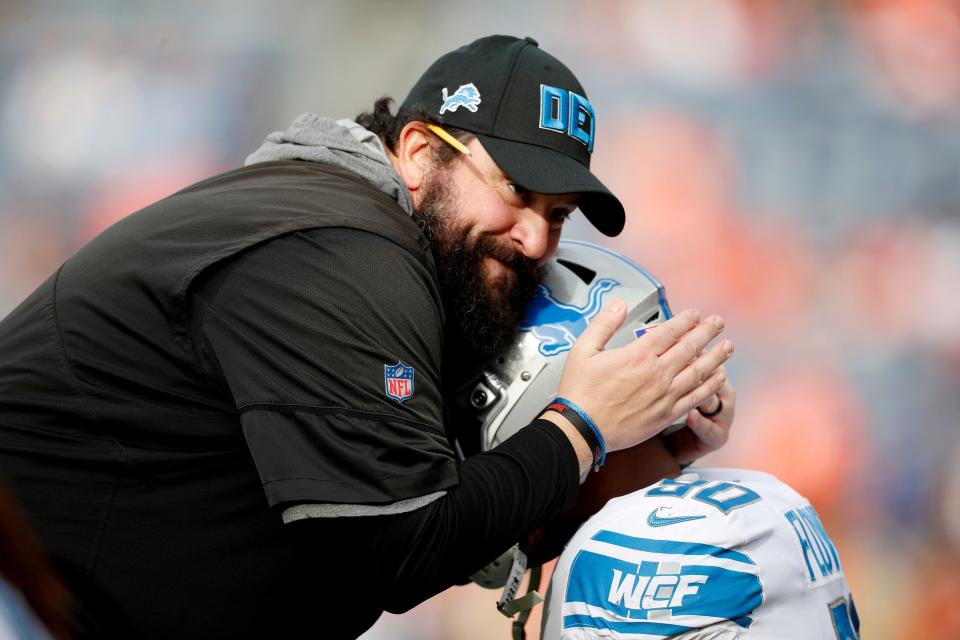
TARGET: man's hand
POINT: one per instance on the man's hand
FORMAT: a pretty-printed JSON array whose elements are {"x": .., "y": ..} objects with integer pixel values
[
  {"x": 705, "y": 434},
  {"x": 635, "y": 391}
]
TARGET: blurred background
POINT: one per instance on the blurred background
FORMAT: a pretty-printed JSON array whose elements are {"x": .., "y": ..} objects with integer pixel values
[{"x": 793, "y": 165}]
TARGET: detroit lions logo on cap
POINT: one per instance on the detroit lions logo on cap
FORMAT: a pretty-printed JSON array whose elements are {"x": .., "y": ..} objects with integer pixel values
[
  {"x": 398, "y": 381},
  {"x": 467, "y": 96}
]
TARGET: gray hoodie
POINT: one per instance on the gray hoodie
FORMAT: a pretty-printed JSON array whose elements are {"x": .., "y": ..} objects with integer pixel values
[{"x": 342, "y": 143}]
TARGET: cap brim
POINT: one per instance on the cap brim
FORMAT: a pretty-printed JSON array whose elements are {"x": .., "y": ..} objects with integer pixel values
[{"x": 547, "y": 171}]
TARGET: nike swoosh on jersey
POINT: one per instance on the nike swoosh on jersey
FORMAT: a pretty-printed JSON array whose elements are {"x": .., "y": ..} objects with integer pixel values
[{"x": 656, "y": 521}]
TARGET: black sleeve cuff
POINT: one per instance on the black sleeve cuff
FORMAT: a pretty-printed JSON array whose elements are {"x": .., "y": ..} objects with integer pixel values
[{"x": 543, "y": 444}]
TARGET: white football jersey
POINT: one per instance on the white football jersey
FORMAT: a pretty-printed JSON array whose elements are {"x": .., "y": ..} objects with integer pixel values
[{"x": 716, "y": 554}]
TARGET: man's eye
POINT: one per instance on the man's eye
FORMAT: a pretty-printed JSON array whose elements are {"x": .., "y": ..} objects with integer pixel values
[{"x": 517, "y": 189}]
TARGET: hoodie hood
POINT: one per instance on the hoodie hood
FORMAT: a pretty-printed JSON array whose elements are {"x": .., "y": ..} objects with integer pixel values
[{"x": 342, "y": 143}]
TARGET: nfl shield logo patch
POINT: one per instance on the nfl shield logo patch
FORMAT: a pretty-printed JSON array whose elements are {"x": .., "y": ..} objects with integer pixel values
[{"x": 398, "y": 381}]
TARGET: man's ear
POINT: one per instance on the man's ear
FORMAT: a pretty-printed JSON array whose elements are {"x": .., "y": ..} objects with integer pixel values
[{"x": 414, "y": 155}]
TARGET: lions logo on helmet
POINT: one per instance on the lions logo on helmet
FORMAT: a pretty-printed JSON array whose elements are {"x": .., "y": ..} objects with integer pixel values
[{"x": 557, "y": 324}]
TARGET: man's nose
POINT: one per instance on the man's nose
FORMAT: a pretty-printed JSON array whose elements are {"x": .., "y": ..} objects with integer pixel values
[{"x": 531, "y": 234}]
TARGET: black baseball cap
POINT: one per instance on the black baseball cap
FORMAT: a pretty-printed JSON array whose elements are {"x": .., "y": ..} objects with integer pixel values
[{"x": 529, "y": 112}]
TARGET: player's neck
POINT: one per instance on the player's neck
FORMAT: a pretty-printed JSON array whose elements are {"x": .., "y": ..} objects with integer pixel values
[
  {"x": 627, "y": 471},
  {"x": 656, "y": 459}
]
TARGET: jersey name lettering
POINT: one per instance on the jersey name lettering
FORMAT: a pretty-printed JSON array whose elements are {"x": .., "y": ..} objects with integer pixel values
[{"x": 818, "y": 551}]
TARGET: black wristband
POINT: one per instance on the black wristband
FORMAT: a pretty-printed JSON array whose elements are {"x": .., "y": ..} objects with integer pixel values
[{"x": 588, "y": 433}]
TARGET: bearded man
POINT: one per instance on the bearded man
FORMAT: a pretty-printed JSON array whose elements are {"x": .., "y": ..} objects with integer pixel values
[{"x": 225, "y": 415}]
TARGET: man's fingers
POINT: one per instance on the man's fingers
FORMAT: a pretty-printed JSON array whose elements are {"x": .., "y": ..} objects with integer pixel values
[
  {"x": 702, "y": 367},
  {"x": 711, "y": 434},
  {"x": 668, "y": 333},
  {"x": 710, "y": 405},
  {"x": 690, "y": 401},
  {"x": 691, "y": 345},
  {"x": 601, "y": 328},
  {"x": 727, "y": 394},
  {"x": 723, "y": 401}
]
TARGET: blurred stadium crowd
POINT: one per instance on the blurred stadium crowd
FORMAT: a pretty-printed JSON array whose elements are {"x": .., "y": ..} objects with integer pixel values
[{"x": 793, "y": 165}]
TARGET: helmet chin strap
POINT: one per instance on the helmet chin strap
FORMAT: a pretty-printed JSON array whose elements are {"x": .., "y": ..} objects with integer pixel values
[
  {"x": 507, "y": 572},
  {"x": 508, "y": 604},
  {"x": 526, "y": 604}
]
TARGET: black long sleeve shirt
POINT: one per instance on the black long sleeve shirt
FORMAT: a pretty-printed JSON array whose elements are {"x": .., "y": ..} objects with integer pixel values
[{"x": 226, "y": 353}]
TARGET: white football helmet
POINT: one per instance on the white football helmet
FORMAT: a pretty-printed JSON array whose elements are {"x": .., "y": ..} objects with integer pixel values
[{"x": 514, "y": 387}]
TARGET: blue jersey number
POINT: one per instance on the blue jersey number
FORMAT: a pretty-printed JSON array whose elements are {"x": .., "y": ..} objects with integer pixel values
[
  {"x": 725, "y": 496},
  {"x": 846, "y": 622}
]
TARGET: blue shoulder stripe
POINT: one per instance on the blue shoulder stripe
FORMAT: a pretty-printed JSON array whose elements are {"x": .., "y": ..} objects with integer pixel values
[
  {"x": 670, "y": 546},
  {"x": 649, "y": 628}
]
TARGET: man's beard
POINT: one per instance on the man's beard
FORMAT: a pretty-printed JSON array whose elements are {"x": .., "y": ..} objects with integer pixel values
[{"x": 486, "y": 319}]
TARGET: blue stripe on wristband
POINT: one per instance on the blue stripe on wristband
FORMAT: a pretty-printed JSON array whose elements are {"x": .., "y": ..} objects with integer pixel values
[{"x": 585, "y": 425}]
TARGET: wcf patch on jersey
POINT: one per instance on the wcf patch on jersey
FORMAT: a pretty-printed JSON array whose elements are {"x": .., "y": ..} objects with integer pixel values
[{"x": 398, "y": 381}]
